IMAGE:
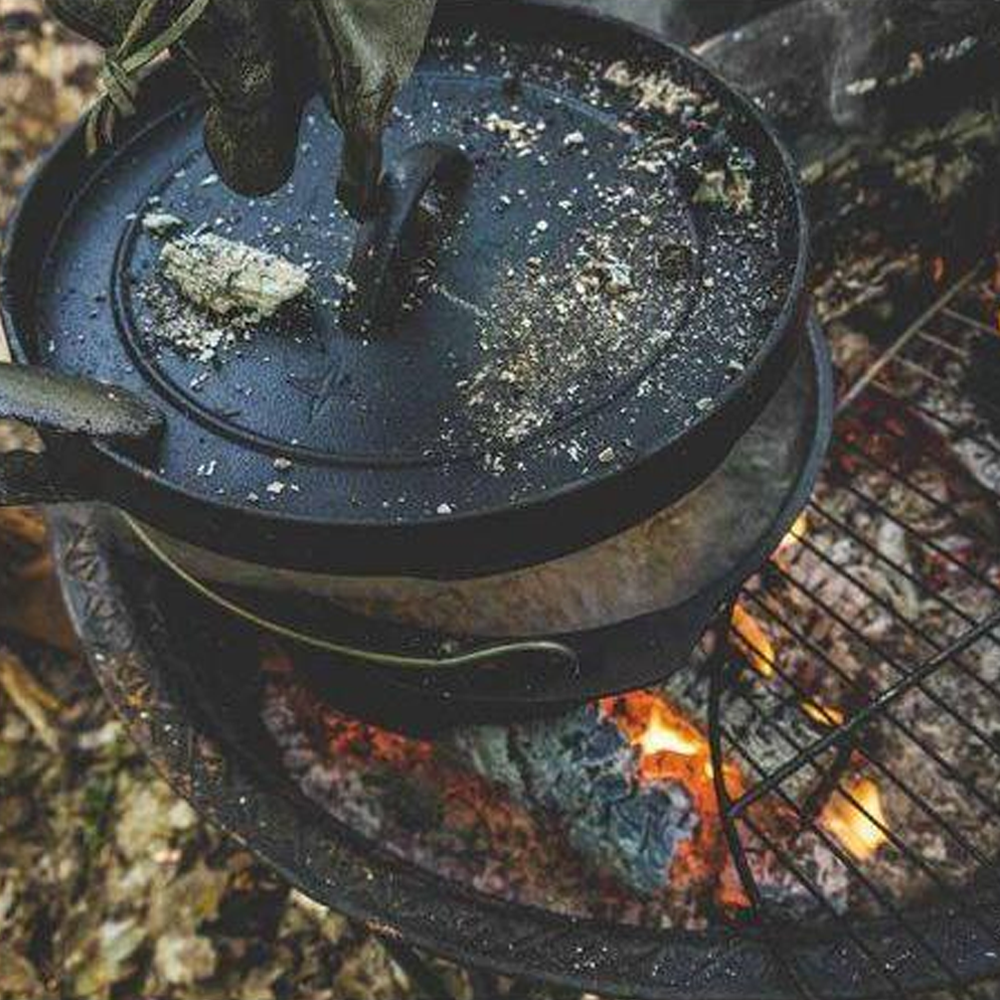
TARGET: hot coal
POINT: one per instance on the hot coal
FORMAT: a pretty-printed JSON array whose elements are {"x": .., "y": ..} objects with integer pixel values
[
  {"x": 626, "y": 784},
  {"x": 426, "y": 807},
  {"x": 581, "y": 768}
]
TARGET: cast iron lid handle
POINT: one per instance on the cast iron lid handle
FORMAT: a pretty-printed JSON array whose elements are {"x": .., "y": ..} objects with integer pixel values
[
  {"x": 388, "y": 243},
  {"x": 69, "y": 406}
]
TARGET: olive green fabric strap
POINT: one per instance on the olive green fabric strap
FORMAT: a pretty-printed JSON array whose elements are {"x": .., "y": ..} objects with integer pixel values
[
  {"x": 118, "y": 77},
  {"x": 374, "y": 45},
  {"x": 371, "y": 47}
]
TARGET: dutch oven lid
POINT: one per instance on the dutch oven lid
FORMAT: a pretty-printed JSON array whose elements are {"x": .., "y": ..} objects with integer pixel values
[{"x": 600, "y": 288}]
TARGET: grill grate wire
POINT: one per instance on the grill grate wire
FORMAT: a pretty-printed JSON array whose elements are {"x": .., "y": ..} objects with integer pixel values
[{"x": 931, "y": 351}]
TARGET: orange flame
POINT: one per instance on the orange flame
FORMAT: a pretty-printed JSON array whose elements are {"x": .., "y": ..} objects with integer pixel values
[
  {"x": 673, "y": 748},
  {"x": 794, "y": 535},
  {"x": 667, "y": 732},
  {"x": 860, "y": 830},
  {"x": 825, "y": 715},
  {"x": 752, "y": 642},
  {"x": 938, "y": 270}
]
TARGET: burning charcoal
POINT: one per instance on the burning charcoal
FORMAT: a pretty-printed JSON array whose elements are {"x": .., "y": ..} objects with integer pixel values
[
  {"x": 627, "y": 781},
  {"x": 428, "y": 805},
  {"x": 583, "y": 769},
  {"x": 764, "y": 725},
  {"x": 226, "y": 277}
]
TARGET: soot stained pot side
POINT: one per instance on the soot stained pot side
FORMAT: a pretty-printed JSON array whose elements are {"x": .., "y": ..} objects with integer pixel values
[
  {"x": 617, "y": 634},
  {"x": 371, "y": 461}
]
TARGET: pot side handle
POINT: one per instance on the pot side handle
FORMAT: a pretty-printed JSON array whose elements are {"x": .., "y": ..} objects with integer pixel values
[{"x": 71, "y": 406}]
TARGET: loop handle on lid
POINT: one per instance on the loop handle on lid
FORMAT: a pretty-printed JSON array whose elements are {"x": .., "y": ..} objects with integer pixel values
[{"x": 387, "y": 244}]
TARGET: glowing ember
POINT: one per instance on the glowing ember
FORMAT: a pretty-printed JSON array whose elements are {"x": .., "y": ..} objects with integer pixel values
[
  {"x": 859, "y": 827},
  {"x": 752, "y": 642}
]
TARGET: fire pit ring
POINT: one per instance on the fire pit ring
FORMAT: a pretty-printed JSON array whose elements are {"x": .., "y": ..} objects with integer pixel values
[{"x": 147, "y": 637}]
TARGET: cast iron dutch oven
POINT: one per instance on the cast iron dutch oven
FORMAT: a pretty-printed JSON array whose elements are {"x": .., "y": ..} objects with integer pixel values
[{"x": 563, "y": 383}]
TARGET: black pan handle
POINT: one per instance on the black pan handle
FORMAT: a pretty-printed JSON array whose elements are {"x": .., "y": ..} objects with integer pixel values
[
  {"x": 69, "y": 406},
  {"x": 387, "y": 243}
]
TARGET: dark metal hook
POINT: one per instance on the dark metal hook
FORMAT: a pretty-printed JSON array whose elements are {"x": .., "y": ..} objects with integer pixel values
[{"x": 385, "y": 249}]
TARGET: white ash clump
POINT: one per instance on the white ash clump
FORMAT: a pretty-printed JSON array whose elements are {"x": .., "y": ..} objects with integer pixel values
[
  {"x": 161, "y": 223},
  {"x": 230, "y": 278}
]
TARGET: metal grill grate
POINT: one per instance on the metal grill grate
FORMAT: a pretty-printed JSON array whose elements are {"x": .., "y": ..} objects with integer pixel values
[{"x": 881, "y": 621}]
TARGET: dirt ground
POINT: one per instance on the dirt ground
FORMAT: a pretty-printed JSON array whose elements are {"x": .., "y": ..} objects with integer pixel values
[{"x": 110, "y": 885}]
